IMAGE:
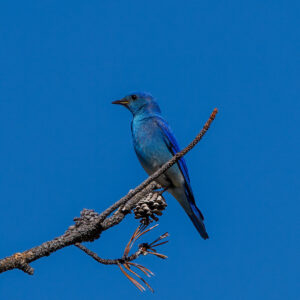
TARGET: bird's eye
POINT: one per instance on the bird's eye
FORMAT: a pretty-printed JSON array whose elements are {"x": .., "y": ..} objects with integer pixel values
[{"x": 133, "y": 97}]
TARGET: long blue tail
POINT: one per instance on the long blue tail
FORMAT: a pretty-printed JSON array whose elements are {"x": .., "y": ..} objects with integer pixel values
[
  {"x": 186, "y": 199},
  {"x": 197, "y": 219},
  {"x": 194, "y": 212}
]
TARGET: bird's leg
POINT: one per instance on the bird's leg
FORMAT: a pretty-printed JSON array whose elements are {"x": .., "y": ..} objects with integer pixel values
[
  {"x": 163, "y": 190},
  {"x": 160, "y": 190}
]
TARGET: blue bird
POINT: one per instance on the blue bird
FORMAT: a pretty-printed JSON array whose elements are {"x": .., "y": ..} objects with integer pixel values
[{"x": 155, "y": 144}]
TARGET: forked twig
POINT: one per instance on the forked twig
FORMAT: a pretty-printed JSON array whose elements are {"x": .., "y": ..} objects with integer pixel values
[{"x": 125, "y": 263}]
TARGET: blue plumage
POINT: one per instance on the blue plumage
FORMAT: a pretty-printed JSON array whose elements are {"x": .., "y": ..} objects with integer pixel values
[{"x": 155, "y": 144}]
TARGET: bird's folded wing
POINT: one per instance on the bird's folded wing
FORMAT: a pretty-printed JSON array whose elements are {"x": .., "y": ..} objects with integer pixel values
[{"x": 174, "y": 148}]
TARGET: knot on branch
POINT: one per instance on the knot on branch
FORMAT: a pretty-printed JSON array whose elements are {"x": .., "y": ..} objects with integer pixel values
[
  {"x": 17, "y": 261},
  {"x": 149, "y": 207},
  {"x": 87, "y": 216},
  {"x": 21, "y": 262},
  {"x": 83, "y": 224}
]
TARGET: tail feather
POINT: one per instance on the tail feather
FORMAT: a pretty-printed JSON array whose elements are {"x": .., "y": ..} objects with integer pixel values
[
  {"x": 196, "y": 217},
  {"x": 186, "y": 200}
]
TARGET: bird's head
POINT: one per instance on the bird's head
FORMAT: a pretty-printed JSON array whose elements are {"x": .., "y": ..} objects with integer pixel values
[{"x": 139, "y": 102}]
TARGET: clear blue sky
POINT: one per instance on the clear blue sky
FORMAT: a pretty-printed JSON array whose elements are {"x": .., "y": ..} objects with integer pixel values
[{"x": 64, "y": 147}]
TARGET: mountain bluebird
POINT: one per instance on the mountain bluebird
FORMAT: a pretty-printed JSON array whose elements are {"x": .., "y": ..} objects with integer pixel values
[{"x": 155, "y": 144}]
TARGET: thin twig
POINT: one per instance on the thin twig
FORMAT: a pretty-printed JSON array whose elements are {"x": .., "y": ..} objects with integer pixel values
[{"x": 104, "y": 261}]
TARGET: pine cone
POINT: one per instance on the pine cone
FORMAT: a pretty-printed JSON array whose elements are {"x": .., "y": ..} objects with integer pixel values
[{"x": 148, "y": 208}]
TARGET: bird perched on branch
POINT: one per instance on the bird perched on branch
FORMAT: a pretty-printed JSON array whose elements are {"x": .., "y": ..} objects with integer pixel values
[{"x": 155, "y": 144}]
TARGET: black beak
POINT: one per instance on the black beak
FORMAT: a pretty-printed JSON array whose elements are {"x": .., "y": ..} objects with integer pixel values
[{"x": 121, "y": 102}]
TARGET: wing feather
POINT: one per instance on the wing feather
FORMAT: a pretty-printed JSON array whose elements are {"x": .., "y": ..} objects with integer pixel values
[{"x": 174, "y": 148}]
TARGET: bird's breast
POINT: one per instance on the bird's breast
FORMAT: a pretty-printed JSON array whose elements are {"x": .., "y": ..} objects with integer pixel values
[
  {"x": 152, "y": 151},
  {"x": 149, "y": 145}
]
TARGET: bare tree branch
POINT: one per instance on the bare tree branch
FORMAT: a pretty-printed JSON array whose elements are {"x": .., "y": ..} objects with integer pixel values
[{"x": 91, "y": 224}]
